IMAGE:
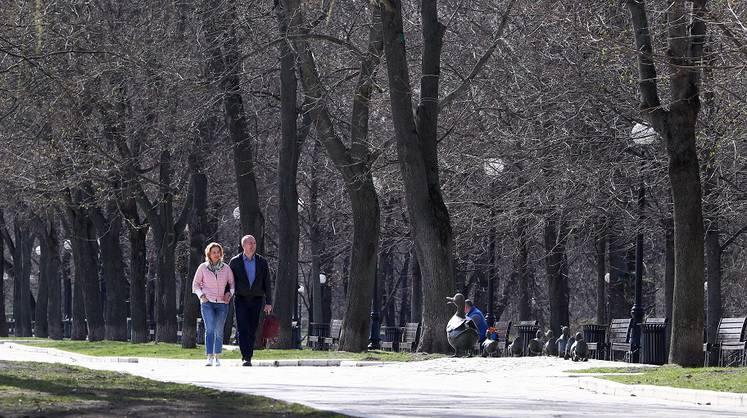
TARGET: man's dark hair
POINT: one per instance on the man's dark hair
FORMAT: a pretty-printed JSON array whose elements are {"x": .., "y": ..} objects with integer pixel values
[{"x": 468, "y": 303}]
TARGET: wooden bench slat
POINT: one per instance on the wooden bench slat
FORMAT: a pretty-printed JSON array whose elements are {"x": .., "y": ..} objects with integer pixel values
[{"x": 730, "y": 320}]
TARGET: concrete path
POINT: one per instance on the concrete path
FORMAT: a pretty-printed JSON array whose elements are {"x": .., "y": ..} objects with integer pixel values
[{"x": 476, "y": 387}]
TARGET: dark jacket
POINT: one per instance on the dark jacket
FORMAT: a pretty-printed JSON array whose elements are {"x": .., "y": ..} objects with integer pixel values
[{"x": 261, "y": 286}]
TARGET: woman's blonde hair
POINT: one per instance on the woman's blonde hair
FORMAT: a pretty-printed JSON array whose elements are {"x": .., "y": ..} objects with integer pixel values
[{"x": 210, "y": 247}]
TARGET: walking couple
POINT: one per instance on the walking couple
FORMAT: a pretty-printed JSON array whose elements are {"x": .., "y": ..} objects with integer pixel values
[{"x": 247, "y": 276}]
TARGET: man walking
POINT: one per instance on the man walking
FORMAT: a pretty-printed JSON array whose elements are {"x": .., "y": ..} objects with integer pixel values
[{"x": 253, "y": 292}]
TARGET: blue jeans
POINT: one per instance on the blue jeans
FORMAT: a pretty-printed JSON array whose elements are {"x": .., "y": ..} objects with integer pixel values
[{"x": 214, "y": 317}]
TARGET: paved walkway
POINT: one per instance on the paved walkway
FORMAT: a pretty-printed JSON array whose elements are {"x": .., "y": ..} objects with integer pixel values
[{"x": 476, "y": 387}]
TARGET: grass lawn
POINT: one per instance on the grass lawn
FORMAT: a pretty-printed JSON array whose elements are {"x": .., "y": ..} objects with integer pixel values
[
  {"x": 175, "y": 351},
  {"x": 709, "y": 378},
  {"x": 41, "y": 389}
]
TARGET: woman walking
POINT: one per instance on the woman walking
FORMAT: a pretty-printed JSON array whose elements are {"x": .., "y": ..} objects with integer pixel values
[{"x": 209, "y": 285}]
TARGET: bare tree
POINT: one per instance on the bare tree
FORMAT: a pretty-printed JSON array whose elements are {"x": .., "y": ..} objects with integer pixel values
[{"x": 686, "y": 24}]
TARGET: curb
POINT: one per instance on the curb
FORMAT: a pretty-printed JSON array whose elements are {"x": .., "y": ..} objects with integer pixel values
[
  {"x": 692, "y": 396},
  {"x": 83, "y": 358}
]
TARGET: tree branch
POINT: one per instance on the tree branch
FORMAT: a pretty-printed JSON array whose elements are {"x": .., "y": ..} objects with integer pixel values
[
  {"x": 449, "y": 99},
  {"x": 733, "y": 238},
  {"x": 647, "y": 70}
]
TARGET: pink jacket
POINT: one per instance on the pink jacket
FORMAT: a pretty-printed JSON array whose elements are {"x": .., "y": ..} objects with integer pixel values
[{"x": 212, "y": 285}]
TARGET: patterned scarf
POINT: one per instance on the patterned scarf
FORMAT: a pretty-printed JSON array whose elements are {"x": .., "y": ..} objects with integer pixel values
[{"x": 215, "y": 268}]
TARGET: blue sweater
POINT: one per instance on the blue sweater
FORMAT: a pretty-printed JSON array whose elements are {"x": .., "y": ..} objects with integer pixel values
[{"x": 479, "y": 319}]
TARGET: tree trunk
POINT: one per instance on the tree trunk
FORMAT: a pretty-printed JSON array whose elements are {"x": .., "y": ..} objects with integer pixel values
[
  {"x": 525, "y": 312},
  {"x": 109, "y": 227},
  {"x": 354, "y": 165},
  {"x": 557, "y": 273},
  {"x": 166, "y": 234},
  {"x": 619, "y": 303},
  {"x": 50, "y": 243},
  {"x": 198, "y": 233},
  {"x": 600, "y": 245},
  {"x": 165, "y": 292},
  {"x": 42, "y": 295},
  {"x": 78, "y": 328},
  {"x": 290, "y": 151},
  {"x": 251, "y": 218},
  {"x": 405, "y": 311},
  {"x": 3, "y": 318},
  {"x": 388, "y": 288},
  {"x": 686, "y": 37},
  {"x": 668, "y": 266},
  {"x": 418, "y": 159},
  {"x": 21, "y": 280},
  {"x": 85, "y": 257},
  {"x": 137, "y": 233},
  {"x": 687, "y": 314},
  {"x": 416, "y": 304}
]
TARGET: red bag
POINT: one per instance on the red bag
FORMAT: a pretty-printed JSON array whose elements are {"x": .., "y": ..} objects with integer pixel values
[{"x": 270, "y": 329}]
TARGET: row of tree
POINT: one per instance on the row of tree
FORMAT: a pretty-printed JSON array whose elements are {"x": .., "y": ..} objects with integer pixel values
[{"x": 410, "y": 149}]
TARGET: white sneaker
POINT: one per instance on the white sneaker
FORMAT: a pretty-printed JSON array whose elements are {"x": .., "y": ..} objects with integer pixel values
[
  {"x": 209, "y": 361},
  {"x": 217, "y": 362}
]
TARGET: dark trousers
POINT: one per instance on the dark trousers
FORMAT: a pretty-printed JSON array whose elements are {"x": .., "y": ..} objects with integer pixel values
[{"x": 247, "y": 320}]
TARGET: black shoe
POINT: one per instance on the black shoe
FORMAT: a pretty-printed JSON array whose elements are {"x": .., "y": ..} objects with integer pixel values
[{"x": 247, "y": 363}]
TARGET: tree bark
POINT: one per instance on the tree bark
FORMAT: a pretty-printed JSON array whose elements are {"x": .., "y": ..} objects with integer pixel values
[
  {"x": 42, "y": 294},
  {"x": 85, "y": 257},
  {"x": 109, "y": 227},
  {"x": 50, "y": 243},
  {"x": 416, "y": 310},
  {"x": 199, "y": 230},
  {"x": 668, "y": 266},
  {"x": 405, "y": 311},
  {"x": 23, "y": 243},
  {"x": 600, "y": 245},
  {"x": 418, "y": 159},
  {"x": 557, "y": 273},
  {"x": 619, "y": 304},
  {"x": 290, "y": 151},
  {"x": 3, "y": 318},
  {"x": 78, "y": 329},
  {"x": 137, "y": 233}
]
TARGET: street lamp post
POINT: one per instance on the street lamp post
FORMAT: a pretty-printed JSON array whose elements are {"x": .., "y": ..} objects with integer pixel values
[
  {"x": 322, "y": 283},
  {"x": 297, "y": 317},
  {"x": 641, "y": 135},
  {"x": 493, "y": 167}
]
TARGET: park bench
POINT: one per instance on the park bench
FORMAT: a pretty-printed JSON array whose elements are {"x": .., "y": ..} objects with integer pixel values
[
  {"x": 392, "y": 338},
  {"x": 595, "y": 336},
  {"x": 317, "y": 333},
  {"x": 619, "y": 338},
  {"x": 333, "y": 340},
  {"x": 409, "y": 337},
  {"x": 730, "y": 339}
]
